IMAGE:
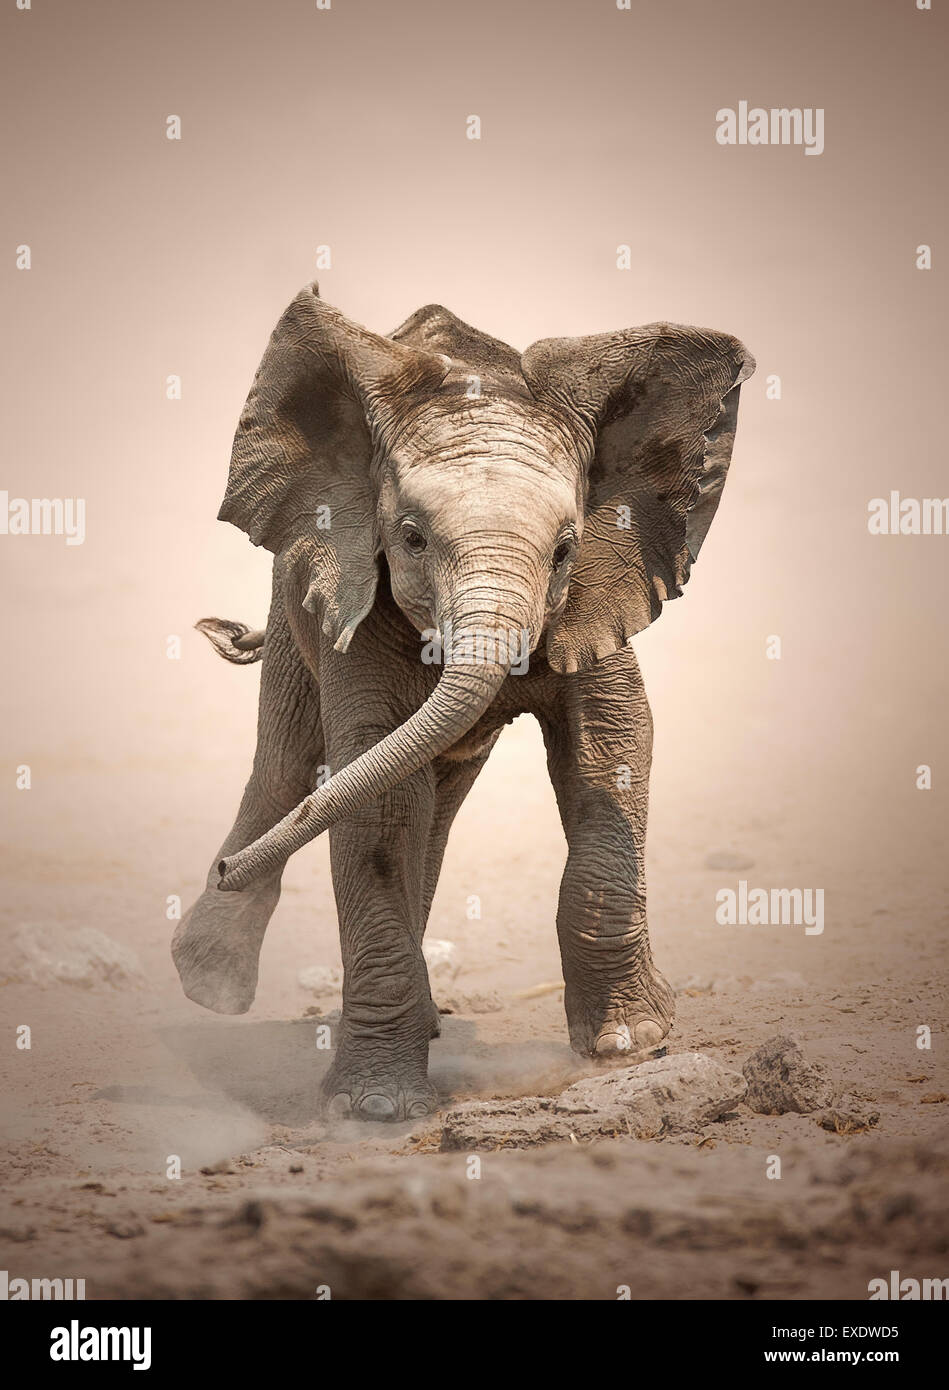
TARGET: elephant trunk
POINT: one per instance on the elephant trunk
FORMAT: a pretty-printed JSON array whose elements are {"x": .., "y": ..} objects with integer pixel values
[{"x": 464, "y": 692}]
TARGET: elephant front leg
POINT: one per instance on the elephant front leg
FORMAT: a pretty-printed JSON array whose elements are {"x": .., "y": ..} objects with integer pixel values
[
  {"x": 617, "y": 1002},
  {"x": 380, "y": 1068},
  {"x": 217, "y": 944},
  {"x": 599, "y": 745}
]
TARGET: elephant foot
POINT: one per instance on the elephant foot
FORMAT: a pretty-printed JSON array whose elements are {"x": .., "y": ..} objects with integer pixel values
[
  {"x": 217, "y": 946},
  {"x": 629, "y": 1029},
  {"x": 377, "y": 1092},
  {"x": 618, "y": 1040}
]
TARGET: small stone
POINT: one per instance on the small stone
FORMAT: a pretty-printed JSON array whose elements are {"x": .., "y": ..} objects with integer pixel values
[
  {"x": 781, "y": 1081},
  {"x": 846, "y": 1121}
]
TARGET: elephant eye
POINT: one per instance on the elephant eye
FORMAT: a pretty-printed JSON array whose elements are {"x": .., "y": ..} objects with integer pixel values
[
  {"x": 414, "y": 540},
  {"x": 561, "y": 554}
]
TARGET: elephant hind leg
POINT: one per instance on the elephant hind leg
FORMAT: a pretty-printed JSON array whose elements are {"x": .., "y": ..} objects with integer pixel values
[{"x": 217, "y": 944}]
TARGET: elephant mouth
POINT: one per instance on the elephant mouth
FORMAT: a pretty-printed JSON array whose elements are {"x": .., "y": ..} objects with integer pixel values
[{"x": 420, "y": 618}]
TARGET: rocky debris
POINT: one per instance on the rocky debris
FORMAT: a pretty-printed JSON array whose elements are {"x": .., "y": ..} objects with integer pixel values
[
  {"x": 44, "y": 955},
  {"x": 471, "y": 1002},
  {"x": 728, "y": 861},
  {"x": 670, "y": 1095},
  {"x": 781, "y": 1080},
  {"x": 847, "y": 1121},
  {"x": 321, "y": 980},
  {"x": 578, "y": 1223}
]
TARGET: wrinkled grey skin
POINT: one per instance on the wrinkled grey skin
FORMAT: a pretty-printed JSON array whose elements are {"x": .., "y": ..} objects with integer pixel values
[{"x": 566, "y": 500}]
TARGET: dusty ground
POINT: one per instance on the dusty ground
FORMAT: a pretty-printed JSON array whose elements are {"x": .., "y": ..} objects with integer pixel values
[{"x": 273, "y": 1203}]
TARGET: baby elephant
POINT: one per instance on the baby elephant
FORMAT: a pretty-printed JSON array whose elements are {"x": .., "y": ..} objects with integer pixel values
[{"x": 461, "y": 534}]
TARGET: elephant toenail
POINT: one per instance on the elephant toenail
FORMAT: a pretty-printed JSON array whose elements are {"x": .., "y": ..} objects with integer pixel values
[
  {"x": 340, "y": 1106},
  {"x": 417, "y": 1109},
  {"x": 376, "y": 1107},
  {"x": 611, "y": 1044},
  {"x": 648, "y": 1033}
]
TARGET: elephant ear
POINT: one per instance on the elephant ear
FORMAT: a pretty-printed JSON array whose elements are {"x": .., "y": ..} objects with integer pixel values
[
  {"x": 655, "y": 409},
  {"x": 299, "y": 481}
]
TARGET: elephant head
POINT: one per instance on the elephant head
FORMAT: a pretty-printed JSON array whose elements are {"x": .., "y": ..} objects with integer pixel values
[{"x": 561, "y": 494}]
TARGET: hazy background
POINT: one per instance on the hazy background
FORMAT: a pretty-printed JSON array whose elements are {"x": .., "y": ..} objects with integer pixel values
[{"x": 347, "y": 128}]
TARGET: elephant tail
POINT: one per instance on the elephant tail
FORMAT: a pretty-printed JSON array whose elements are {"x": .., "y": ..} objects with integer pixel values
[{"x": 234, "y": 641}]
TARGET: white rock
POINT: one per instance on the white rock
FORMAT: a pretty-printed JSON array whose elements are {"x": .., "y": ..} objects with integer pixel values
[
  {"x": 321, "y": 979},
  {"x": 682, "y": 1092},
  {"x": 44, "y": 955},
  {"x": 669, "y": 1095},
  {"x": 441, "y": 957}
]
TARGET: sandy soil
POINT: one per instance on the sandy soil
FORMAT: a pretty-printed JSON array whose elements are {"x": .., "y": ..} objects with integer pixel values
[{"x": 274, "y": 1203}]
